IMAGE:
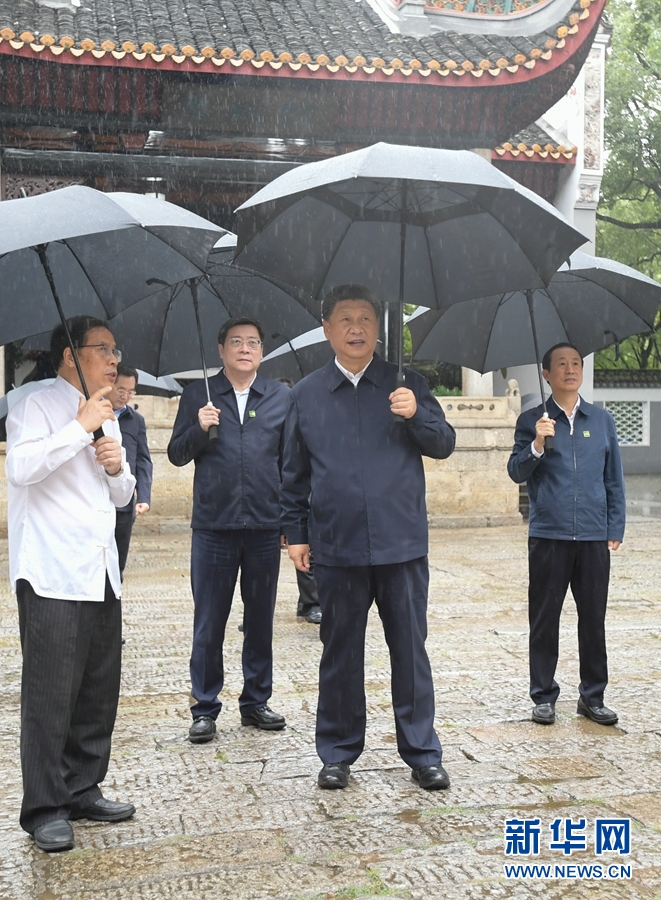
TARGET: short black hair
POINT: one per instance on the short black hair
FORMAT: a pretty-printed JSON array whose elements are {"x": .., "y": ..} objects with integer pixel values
[
  {"x": 79, "y": 327},
  {"x": 127, "y": 372},
  {"x": 348, "y": 292},
  {"x": 286, "y": 381},
  {"x": 546, "y": 360},
  {"x": 238, "y": 320}
]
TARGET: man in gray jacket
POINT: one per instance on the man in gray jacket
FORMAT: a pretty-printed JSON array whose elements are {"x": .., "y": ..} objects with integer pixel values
[{"x": 577, "y": 516}]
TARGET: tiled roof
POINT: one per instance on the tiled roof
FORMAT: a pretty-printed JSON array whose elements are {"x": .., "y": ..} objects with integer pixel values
[
  {"x": 627, "y": 378},
  {"x": 227, "y": 35},
  {"x": 534, "y": 143}
]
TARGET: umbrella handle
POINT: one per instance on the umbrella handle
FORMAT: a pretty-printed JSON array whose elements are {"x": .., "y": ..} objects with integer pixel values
[
  {"x": 213, "y": 429},
  {"x": 400, "y": 381},
  {"x": 548, "y": 442}
]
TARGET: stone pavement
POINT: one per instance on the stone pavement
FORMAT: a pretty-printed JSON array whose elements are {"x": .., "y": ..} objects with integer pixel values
[{"x": 242, "y": 819}]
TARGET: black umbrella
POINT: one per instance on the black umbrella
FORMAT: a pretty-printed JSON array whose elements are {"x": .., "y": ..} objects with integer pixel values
[
  {"x": 415, "y": 225},
  {"x": 160, "y": 334},
  {"x": 298, "y": 357},
  {"x": 176, "y": 329},
  {"x": 591, "y": 302},
  {"x": 77, "y": 251}
]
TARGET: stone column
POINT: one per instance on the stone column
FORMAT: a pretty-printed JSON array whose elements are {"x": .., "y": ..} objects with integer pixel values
[{"x": 475, "y": 385}]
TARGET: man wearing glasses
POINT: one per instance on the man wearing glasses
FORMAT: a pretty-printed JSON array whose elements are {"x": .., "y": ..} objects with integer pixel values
[
  {"x": 63, "y": 488},
  {"x": 235, "y": 522},
  {"x": 134, "y": 439}
]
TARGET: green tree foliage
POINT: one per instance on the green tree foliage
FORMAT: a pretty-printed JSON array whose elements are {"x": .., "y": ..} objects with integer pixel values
[{"x": 629, "y": 216}]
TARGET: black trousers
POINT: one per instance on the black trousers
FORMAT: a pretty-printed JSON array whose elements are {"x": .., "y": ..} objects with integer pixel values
[
  {"x": 554, "y": 567},
  {"x": 346, "y": 595},
  {"x": 69, "y": 694},
  {"x": 216, "y": 557},
  {"x": 123, "y": 530}
]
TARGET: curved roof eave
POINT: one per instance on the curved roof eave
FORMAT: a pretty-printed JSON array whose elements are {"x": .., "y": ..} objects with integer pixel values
[{"x": 441, "y": 59}]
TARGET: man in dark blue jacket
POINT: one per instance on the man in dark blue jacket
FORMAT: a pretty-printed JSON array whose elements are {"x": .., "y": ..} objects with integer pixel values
[
  {"x": 577, "y": 516},
  {"x": 235, "y": 522},
  {"x": 354, "y": 489},
  {"x": 134, "y": 440}
]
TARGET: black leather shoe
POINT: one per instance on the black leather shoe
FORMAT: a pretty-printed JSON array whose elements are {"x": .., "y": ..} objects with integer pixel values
[
  {"x": 334, "y": 775},
  {"x": 431, "y": 778},
  {"x": 264, "y": 718},
  {"x": 314, "y": 616},
  {"x": 202, "y": 730},
  {"x": 602, "y": 715},
  {"x": 54, "y": 837},
  {"x": 104, "y": 811},
  {"x": 544, "y": 713}
]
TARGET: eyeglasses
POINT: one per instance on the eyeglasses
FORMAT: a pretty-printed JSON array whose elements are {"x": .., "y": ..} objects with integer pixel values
[
  {"x": 251, "y": 343},
  {"x": 122, "y": 392},
  {"x": 104, "y": 350}
]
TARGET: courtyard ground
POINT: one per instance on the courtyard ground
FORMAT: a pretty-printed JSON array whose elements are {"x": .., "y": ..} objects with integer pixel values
[{"x": 241, "y": 818}]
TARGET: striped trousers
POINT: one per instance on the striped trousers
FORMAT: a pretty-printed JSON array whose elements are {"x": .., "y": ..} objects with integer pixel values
[{"x": 69, "y": 694}]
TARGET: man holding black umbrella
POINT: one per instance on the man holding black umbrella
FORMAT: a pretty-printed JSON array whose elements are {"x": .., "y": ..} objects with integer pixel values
[
  {"x": 577, "y": 516},
  {"x": 235, "y": 442},
  {"x": 63, "y": 488},
  {"x": 354, "y": 490}
]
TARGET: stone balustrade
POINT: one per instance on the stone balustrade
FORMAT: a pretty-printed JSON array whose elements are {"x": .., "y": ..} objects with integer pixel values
[{"x": 469, "y": 489}]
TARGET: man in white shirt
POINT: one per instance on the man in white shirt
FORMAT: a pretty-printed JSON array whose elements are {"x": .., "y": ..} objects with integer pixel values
[{"x": 63, "y": 488}]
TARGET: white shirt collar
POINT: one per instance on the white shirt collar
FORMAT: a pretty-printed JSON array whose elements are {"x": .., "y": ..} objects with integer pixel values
[
  {"x": 572, "y": 415},
  {"x": 354, "y": 379},
  {"x": 242, "y": 398}
]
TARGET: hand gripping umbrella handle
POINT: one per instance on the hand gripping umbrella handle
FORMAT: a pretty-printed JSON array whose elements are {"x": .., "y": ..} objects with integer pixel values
[
  {"x": 548, "y": 442},
  {"x": 400, "y": 381},
  {"x": 213, "y": 429}
]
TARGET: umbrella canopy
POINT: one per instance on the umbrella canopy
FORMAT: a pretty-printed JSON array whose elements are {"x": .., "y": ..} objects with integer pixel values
[
  {"x": 147, "y": 384},
  {"x": 11, "y": 398},
  {"x": 299, "y": 357},
  {"x": 102, "y": 251},
  {"x": 414, "y": 224},
  {"x": 591, "y": 302},
  {"x": 166, "y": 386},
  {"x": 160, "y": 333}
]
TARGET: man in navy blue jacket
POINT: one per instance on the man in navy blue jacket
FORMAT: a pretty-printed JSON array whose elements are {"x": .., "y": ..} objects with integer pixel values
[
  {"x": 353, "y": 488},
  {"x": 134, "y": 440},
  {"x": 577, "y": 516},
  {"x": 235, "y": 522}
]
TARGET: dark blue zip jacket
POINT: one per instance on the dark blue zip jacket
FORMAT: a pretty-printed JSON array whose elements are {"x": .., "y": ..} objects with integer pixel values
[
  {"x": 354, "y": 472},
  {"x": 576, "y": 491},
  {"x": 237, "y": 477},
  {"x": 134, "y": 440}
]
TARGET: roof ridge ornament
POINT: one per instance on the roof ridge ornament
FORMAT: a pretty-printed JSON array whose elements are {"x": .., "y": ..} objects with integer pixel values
[
  {"x": 403, "y": 17},
  {"x": 59, "y": 4},
  {"x": 418, "y": 18}
]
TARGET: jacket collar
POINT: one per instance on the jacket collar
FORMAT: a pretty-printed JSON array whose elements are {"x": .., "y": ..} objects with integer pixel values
[
  {"x": 584, "y": 407},
  {"x": 223, "y": 385},
  {"x": 375, "y": 372}
]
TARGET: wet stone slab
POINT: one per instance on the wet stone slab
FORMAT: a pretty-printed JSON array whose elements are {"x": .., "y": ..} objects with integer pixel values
[{"x": 241, "y": 818}]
